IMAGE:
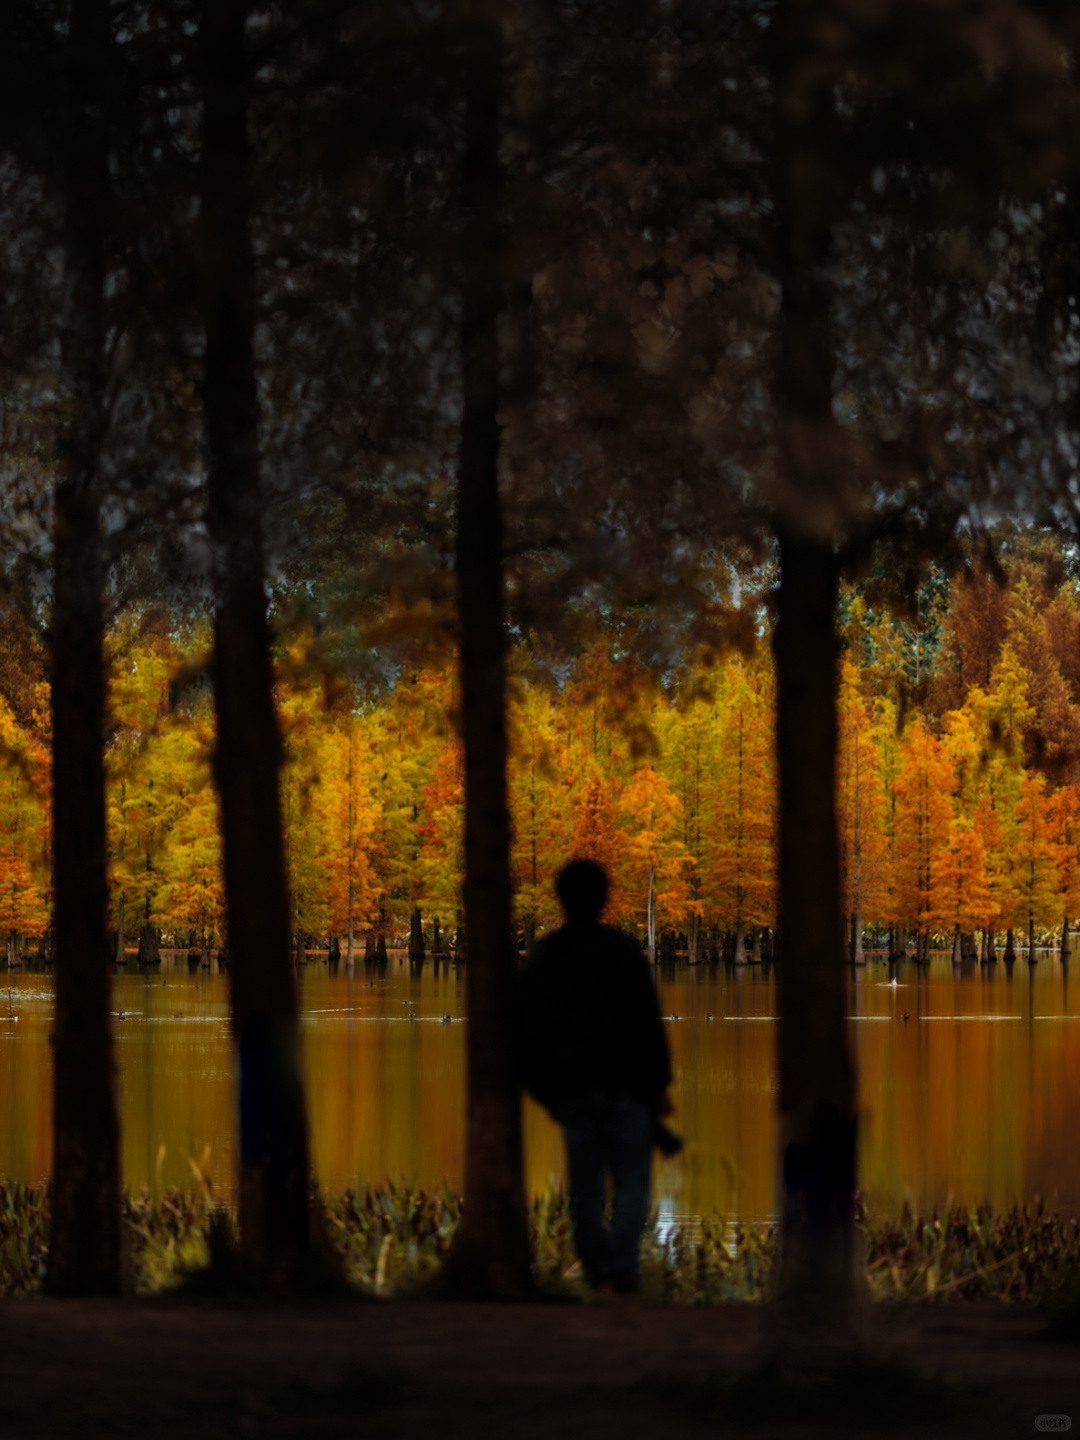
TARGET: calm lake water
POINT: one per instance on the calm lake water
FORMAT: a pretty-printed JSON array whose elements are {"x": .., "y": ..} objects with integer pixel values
[{"x": 976, "y": 1095}]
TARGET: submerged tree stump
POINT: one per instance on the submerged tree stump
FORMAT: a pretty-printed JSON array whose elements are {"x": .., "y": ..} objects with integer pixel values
[{"x": 149, "y": 946}]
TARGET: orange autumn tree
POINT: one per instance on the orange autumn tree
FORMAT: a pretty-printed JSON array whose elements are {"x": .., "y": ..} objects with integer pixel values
[
  {"x": 1002, "y": 717},
  {"x": 539, "y": 781},
  {"x": 303, "y": 807},
  {"x": 411, "y": 732},
  {"x": 24, "y": 821},
  {"x": 961, "y": 894},
  {"x": 350, "y": 782},
  {"x": 688, "y": 734},
  {"x": 740, "y": 865},
  {"x": 441, "y": 832},
  {"x": 923, "y": 788},
  {"x": 1063, "y": 819},
  {"x": 653, "y": 863},
  {"x": 860, "y": 807},
  {"x": 596, "y": 831},
  {"x": 1034, "y": 886},
  {"x": 192, "y": 894},
  {"x": 142, "y": 784}
]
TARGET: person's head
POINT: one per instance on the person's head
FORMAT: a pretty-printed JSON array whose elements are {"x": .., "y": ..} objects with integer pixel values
[{"x": 582, "y": 887}]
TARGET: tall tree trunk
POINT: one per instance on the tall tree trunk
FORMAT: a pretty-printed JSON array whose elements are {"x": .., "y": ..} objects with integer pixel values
[
  {"x": 1010, "y": 944},
  {"x": 958, "y": 946},
  {"x": 817, "y": 1077},
  {"x": 693, "y": 938},
  {"x": 85, "y": 1254},
  {"x": 858, "y": 953},
  {"x": 1031, "y": 940},
  {"x": 1065, "y": 937},
  {"x": 273, "y": 1190},
  {"x": 740, "y": 943},
  {"x": 817, "y": 1129},
  {"x": 490, "y": 1256},
  {"x": 416, "y": 935},
  {"x": 991, "y": 953}
]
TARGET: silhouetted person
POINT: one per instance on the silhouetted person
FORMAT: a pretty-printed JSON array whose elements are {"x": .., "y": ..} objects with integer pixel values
[{"x": 592, "y": 1050}]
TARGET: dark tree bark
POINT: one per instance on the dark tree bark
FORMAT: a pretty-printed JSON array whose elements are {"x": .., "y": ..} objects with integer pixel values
[
  {"x": 273, "y": 1191},
  {"x": 416, "y": 935},
  {"x": 149, "y": 949},
  {"x": 490, "y": 1256},
  {"x": 817, "y": 1079},
  {"x": 85, "y": 1254}
]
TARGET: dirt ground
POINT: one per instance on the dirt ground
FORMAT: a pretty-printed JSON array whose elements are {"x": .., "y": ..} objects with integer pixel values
[{"x": 411, "y": 1368}]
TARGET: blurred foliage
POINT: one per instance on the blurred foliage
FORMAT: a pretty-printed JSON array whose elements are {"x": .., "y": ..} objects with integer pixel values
[{"x": 391, "y": 1239}]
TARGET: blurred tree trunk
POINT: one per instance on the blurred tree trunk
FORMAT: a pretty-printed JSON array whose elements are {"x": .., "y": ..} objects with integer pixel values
[
  {"x": 817, "y": 1078},
  {"x": 84, "y": 1246},
  {"x": 273, "y": 1192},
  {"x": 490, "y": 1255}
]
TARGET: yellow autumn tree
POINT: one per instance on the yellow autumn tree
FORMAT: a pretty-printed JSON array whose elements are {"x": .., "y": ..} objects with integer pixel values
[
  {"x": 539, "y": 785},
  {"x": 961, "y": 894},
  {"x": 1032, "y": 898},
  {"x": 740, "y": 862},
  {"x": 860, "y": 807},
  {"x": 350, "y": 785},
  {"x": 653, "y": 863},
  {"x": 924, "y": 811},
  {"x": 24, "y": 909}
]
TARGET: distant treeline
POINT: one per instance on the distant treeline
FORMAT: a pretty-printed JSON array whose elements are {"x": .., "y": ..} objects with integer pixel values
[{"x": 958, "y": 792}]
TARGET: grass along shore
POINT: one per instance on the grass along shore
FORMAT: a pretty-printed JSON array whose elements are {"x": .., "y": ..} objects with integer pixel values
[{"x": 390, "y": 1239}]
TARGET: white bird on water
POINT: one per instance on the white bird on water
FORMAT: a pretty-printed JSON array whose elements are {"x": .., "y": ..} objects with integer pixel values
[{"x": 892, "y": 984}]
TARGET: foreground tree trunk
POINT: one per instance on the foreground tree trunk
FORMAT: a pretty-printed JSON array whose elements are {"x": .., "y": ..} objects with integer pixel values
[
  {"x": 273, "y": 1191},
  {"x": 490, "y": 1257},
  {"x": 817, "y": 1080},
  {"x": 85, "y": 1255}
]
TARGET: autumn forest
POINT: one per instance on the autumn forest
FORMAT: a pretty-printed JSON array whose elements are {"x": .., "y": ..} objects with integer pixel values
[{"x": 958, "y": 799}]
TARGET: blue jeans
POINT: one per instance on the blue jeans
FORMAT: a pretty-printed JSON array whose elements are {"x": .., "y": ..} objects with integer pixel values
[{"x": 613, "y": 1133}]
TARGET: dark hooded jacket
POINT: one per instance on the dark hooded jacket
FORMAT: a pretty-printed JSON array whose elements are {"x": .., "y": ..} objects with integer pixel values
[{"x": 588, "y": 1018}]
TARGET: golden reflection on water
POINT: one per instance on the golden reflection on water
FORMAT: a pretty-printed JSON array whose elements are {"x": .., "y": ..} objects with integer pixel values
[{"x": 976, "y": 1095}]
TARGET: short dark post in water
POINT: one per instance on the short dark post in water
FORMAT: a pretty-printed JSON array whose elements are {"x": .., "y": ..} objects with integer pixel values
[{"x": 416, "y": 935}]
